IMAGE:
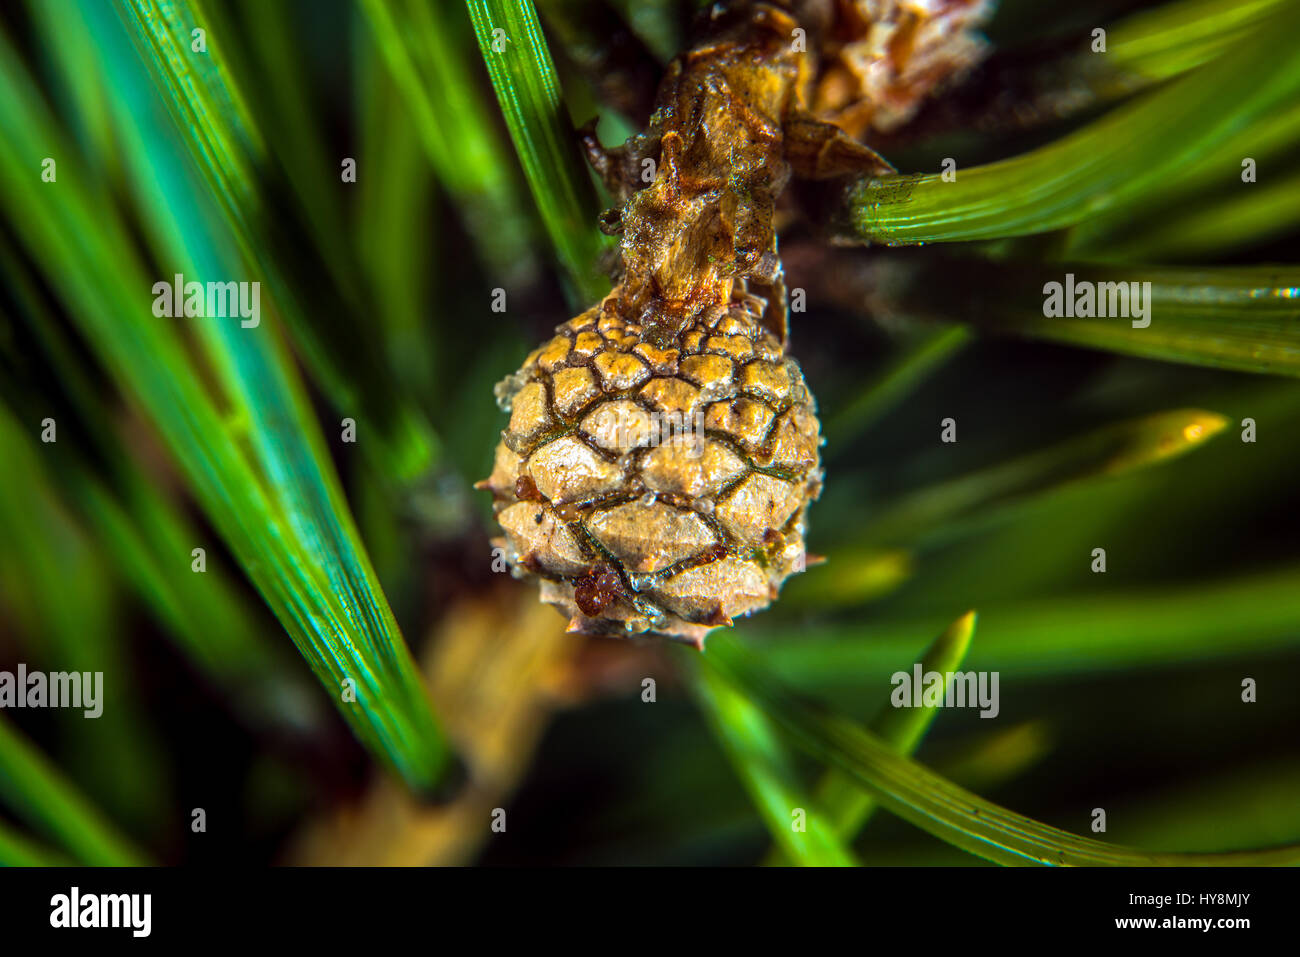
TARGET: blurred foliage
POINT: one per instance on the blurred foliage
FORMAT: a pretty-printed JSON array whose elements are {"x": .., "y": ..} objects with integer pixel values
[{"x": 1119, "y": 690}]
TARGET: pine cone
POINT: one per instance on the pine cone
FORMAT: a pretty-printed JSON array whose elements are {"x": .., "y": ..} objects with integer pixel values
[{"x": 657, "y": 487}]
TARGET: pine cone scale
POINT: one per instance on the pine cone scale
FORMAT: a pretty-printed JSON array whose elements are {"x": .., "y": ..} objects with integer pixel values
[{"x": 656, "y": 487}]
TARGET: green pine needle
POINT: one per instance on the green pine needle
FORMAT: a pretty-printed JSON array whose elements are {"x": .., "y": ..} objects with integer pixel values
[
  {"x": 940, "y": 807},
  {"x": 250, "y": 447},
  {"x": 794, "y": 819},
  {"x": 848, "y": 806},
  {"x": 519, "y": 63},
  {"x": 38, "y": 793}
]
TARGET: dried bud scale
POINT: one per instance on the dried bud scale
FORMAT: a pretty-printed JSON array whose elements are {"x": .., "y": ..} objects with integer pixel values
[{"x": 887, "y": 56}]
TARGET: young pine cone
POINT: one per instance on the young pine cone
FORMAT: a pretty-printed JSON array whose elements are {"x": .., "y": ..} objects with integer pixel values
[{"x": 657, "y": 488}]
